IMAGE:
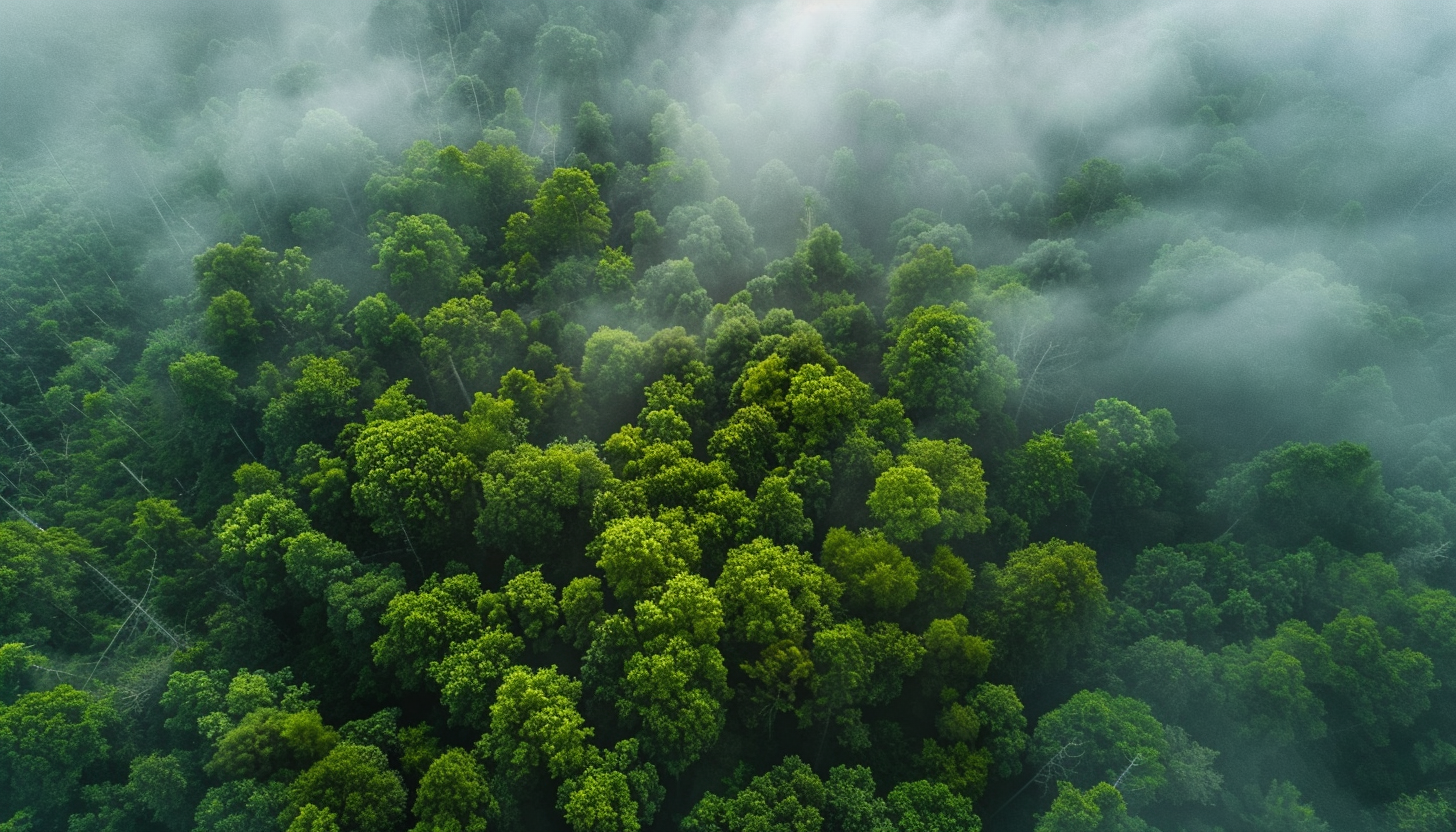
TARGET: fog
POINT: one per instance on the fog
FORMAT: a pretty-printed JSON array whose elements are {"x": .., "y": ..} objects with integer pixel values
[{"x": 1275, "y": 262}]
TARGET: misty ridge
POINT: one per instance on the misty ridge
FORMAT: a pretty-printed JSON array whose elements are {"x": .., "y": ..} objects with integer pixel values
[{"x": 884, "y": 414}]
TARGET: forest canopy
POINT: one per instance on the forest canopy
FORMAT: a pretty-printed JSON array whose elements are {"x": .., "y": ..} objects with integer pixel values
[{"x": 460, "y": 415}]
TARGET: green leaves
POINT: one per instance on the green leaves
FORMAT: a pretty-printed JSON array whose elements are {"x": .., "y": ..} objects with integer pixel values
[
  {"x": 945, "y": 367},
  {"x": 355, "y": 783},
  {"x": 639, "y": 555},
  {"x": 410, "y": 472},
  {"x": 877, "y": 577},
  {"x": 1047, "y": 600},
  {"x": 46, "y": 740},
  {"x": 422, "y": 255},
  {"x": 453, "y": 795},
  {"x": 534, "y": 723},
  {"x": 906, "y": 501}
]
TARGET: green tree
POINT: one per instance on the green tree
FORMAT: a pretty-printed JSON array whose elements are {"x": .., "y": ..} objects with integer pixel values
[
  {"x": 922, "y": 806},
  {"x": 229, "y": 323},
  {"x": 411, "y": 473},
  {"x": 1289, "y": 494},
  {"x": 930, "y": 277},
  {"x": 534, "y": 724},
  {"x": 1110, "y": 733},
  {"x": 1118, "y": 449},
  {"x": 453, "y": 796},
  {"x": 1095, "y": 188},
  {"x": 878, "y": 578},
  {"x": 312, "y": 408},
  {"x": 1046, "y": 601},
  {"x": 468, "y": 347},
  {"x": 958, "y": 476},
  {"x": 253, "y": 534},
  {"x": 470, "y": 672},
  {"x": 954, "y": 657},
  {"x": 670, "y": 294},
  {"x": 251, "y": 270},
  {"x": 47, "y": 739},
  {"x": 678, "y": 690},
  {"x": 268, "y": 740},
  {"x": 356, "y": 784},
  {"x": 906, "y": 501},
  {"x": 567, "y": 217},
  {"x": 1267, "y": 685},
  {"x": 945, "y": 367},
  {"x": 1041, "y": 478},
  {"x": 420, "y": 627},
  {"x": 774, "y": 593},
  {"x": 530, "y": 493},
  {"x": 858, "y": 667},
  {"x": 1280, "y": 810},
  {"x": 639, "y": 555},
  {"x": 1098, "y": 809},
  {"x": 789, "y": 796},
  {"x": 422, "y": 255},
  {"x": 532, "y": 602}
]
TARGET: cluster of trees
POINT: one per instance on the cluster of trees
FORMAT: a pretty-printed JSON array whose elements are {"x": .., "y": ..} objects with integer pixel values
[{"x": 550, "y": 472}]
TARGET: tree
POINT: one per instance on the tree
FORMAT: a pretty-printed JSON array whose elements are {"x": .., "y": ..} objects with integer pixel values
[
  {"x": 1053, "y": 263},
  {"x": 1100, "y": 808},
  {"x": 1291, "y": 493},
  {"x": 906, "y": 501},
  {"x": 1096, "y": 188},
  {"x": 530, "y": 494},
  {"x": 422, "y": 255},
  {"x": 1267, "y": 685},
  {"x": 355, "y": 783},
  {"x": 534, "y": 724},
  {"x": 1041, "y": 478},
  {"x": 532, "y": 601},
  {"x": 470, "y": 672},
  {"x": 747, "y": 443},
  {"x": 788, "y": 796},
  {"x": 268, "y": 740},
  {"x": 230, "y": 324},
  {"x": 922, "y": 806},
  {"x": 945, "y": 368},
  {"x": 251, "y": 270},
  {"x": 677, "y": 689},
  {"x": 1047, "y": 600},
  {"x": 475, "y": 190},
  {"x": 420, "y": 627},
  {"x": 1118, "y": 449},
  {"x": 930, "y": 277},
  {"x": 857, "y": 667},
  {"x": 954, "y": 657},
  {"x": 1117, "y": 738},
  {"x": 411, "y": 473},
  {"x": 877, "y": 577},
  {"x": 468, "y": 347},
  {"x": 47, "y": 739},
  {"x": 312, "y": 408},
  {"x": 640, "y": 554},
  {"x": 670, "y": 294},
  {"x": 567, "y": 217},
  {"x": 453, "y": 796},
  {"x": 1280, "y": 810},
  {"x": 774, "y": 593},
  {"x": 1376, "y": 687},
  {"x": 253, "y": 534},
  {"x": 958, "y": 477},
  {"x": 778, "y": 512}
]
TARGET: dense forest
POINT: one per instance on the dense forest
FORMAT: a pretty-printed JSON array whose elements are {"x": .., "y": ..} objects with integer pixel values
[{"x": 463, "y": 415}]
